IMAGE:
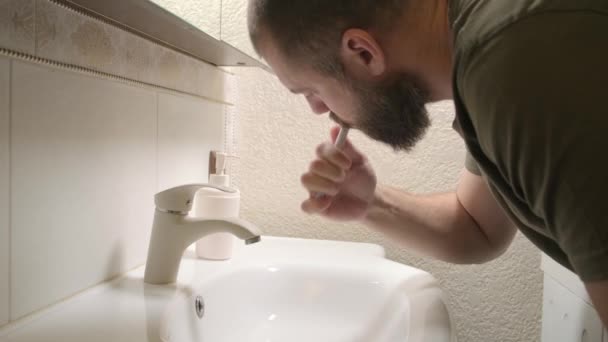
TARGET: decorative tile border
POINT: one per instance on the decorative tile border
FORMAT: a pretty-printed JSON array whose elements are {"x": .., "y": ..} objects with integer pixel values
[
  {"x": 49, "y": 32},
  {"x": 17, "y": 25}
]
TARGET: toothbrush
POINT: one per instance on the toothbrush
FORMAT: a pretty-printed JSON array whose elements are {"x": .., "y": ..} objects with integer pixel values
[{"x": 340, "y": 141}]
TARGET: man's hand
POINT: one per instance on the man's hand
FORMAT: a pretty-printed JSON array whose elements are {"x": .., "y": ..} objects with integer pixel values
[{"x": 346, "y": 179}]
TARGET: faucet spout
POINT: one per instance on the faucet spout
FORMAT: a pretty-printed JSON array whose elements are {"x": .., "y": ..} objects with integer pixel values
[
  {"x": 253, "y": 240},
  {"x": 172, "y": 233}
]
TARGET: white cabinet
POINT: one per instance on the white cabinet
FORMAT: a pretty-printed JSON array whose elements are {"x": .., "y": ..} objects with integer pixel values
[{"x": 568, "y": 315}]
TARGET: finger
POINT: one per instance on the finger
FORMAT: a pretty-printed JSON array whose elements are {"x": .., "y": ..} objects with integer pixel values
[
  {"x": 327, "y": 170},
  {"x": 333, "y": 155},
  {"x": 348, "y": 148},
  {"x": 315, "y": 183},
  {"x": 316, "y": 205}
]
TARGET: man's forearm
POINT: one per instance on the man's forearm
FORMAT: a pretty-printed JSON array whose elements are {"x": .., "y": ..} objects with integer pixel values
[
  {"x": 598, "y": 291},
  {"x": 432, "y": 225}
]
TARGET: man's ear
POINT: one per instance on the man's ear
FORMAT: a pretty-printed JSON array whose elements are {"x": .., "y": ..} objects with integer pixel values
[{"x": 362, "y": 55}]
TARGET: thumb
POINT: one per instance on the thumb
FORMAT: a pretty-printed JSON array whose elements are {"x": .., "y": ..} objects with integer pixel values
[{"x": 348, "y": 148}]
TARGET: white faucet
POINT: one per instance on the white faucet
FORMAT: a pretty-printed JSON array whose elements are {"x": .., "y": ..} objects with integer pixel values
[{"x": 173, "y": 231}]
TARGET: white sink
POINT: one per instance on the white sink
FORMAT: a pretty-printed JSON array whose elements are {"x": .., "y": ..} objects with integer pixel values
[
  {"x": 356, "y": 299},
  {"x": 279, "y": 290}
]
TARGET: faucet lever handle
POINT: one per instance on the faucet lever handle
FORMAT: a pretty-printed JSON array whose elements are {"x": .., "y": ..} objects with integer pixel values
[{"x": 179, "y": 199}]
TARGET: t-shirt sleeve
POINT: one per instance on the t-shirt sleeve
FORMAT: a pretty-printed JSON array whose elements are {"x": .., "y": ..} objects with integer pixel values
[
  {"x": 538, "y": 92},
  {"x": 469, "y": 162},
  {"x": 471, "y": 165}
]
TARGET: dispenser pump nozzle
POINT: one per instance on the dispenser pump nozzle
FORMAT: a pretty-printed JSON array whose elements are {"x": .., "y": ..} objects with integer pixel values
[
  {"x": 220, "y": 163},
  {"x": 218, "y": 175}
]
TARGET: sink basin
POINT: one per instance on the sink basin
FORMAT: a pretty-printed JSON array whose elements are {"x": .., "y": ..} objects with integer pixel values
[
  {"x": 278, "y": 290},
  {"x": 372, "y": 299}
]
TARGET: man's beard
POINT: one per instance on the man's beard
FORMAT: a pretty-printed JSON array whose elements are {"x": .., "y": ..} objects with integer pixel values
[{"x": 394, "y": 114}]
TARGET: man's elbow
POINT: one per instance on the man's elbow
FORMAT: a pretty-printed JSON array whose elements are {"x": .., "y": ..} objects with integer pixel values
[
  {"x": 479, "y": 256},
  {"x": 482, "y": 252},
  {"x": 598, "y": 291}
]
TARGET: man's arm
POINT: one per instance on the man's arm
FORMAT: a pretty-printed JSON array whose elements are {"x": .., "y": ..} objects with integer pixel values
[
  {"x": 545, "y": 127},
  {"x": 598, "y": 291},
  {"x": 466, "y": 226}
]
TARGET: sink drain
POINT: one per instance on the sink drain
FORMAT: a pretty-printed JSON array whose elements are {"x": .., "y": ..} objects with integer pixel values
[{"x": 199, "y": 306}]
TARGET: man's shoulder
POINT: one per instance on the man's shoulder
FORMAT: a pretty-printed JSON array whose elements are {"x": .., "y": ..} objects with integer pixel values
[
  {"x": 477, "y": 22},
  {"x": 503, "y": 44}
]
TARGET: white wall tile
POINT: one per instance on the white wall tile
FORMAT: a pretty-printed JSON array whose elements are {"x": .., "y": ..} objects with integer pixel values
[
  {"x": 4, "y": 189},
  {"x": 83, "y": 179},
  {"x": 188, "y": 129}
]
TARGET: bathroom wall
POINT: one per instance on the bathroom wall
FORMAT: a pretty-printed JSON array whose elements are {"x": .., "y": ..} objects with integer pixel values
[
  {"x": 93, "y": 122},
  {"x": 204, "y": 14},
  {"x": 4, "y": 189},
  {"x": 499, "y": 301}
]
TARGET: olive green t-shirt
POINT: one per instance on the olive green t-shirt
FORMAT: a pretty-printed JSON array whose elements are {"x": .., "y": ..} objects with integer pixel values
[{"x": 531, "y": 95}]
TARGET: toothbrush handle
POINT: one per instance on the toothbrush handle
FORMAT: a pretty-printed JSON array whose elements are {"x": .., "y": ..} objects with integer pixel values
[{"x": 341, "y": 139}]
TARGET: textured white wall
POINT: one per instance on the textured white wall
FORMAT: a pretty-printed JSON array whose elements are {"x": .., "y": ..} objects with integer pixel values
[
  {"x": 499, "y": 301},
  {"x": 234, "y": 25},
  {"x": 204, "y": 14}
]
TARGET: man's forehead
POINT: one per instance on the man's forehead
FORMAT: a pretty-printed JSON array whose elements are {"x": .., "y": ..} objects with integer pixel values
[{"x": 291, "y": 74}]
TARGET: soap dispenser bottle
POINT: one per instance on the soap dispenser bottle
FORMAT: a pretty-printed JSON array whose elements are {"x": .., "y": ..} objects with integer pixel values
[{"x": 216, "y": 203}]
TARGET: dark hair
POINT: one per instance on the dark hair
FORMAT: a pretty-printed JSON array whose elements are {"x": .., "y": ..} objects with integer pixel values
[{"x": 310, "y": 31}]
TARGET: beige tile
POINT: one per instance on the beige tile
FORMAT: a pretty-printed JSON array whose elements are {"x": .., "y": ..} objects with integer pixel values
[
  {"x": 188, "y": 129},
  {"x": 190, "y": 79},
  {"x": 184, "y": 73},
  {"x": 211, "y": 82},
  {"x": 4, "y": 189},
  {"x": 17, "y": 25},
  {"x": 84, "y": 175},
  {"x": 69, "y": 37},
  {"x": 138, "y": 59},
  {"x": 171, "y": 71}
]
